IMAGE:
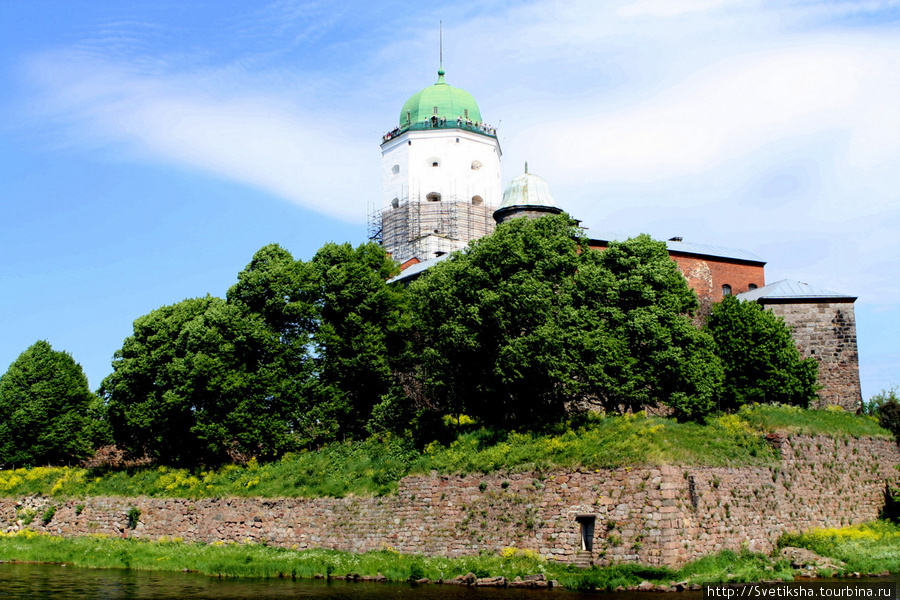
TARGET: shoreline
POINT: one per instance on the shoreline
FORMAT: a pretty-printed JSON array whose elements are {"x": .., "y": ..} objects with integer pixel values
[{"x": 511, "y": 568}]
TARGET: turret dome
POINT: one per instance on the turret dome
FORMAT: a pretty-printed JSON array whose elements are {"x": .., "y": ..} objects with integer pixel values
[
  {"x": 440, "y": 100},
  {"x": 526, "y": 195},
  {"x": 528, "y": 189}
]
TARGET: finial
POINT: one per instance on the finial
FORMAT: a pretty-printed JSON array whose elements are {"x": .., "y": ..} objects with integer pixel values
[
  {"x": 526, "y": 167},
  {"x": 441, "y": 44}
]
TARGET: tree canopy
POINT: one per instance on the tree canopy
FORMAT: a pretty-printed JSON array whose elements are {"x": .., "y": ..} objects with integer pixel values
[
  {"x": 761, "y": 360},
  {"x": 44, "y": 405},
  {"x": 529, "y": 321}
]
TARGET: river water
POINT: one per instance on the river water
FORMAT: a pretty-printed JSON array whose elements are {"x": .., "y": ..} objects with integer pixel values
[{"x": 41, "y": 581}]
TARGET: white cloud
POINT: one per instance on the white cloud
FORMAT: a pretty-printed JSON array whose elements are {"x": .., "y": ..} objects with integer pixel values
[{"x": 260, "y": 140}]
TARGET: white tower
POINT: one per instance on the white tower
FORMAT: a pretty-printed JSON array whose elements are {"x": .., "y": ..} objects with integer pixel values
[{"x": 441, "y": 175}]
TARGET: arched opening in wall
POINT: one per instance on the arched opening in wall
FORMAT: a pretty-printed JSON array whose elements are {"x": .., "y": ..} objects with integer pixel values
[
  {"x": 586, "y": 524},
  {"x": 433, "y": 197},
  {"x": 752, "y": 286},
  {"x": 477, "y": 200},
  {"x": 726, "y": 290},
  {"x": 395, "y": 169},
  {"x": 395, "y": 203},
  {"x": 434, "y": 161},
  {"x": 476, "y": 164}
]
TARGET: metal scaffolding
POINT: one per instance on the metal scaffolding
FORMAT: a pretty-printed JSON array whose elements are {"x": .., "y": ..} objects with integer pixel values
[{"x": 423, "y": 229}]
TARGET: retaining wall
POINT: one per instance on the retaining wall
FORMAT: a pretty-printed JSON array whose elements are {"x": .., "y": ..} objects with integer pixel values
[{"x": 655, "y": 515}]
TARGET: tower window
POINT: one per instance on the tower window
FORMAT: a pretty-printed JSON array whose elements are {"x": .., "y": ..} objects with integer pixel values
[
  {"x": 752, "y": 286},
  {"x": 395, "y": 169},
  {"x": 433, "y": 197},
  {"x": 477, "y": 200},
  {"x": 435, "y": 164},
  {"x": 466, "y": 112},
  {"x": 435, "y": 110},
  {"x": 726, "y": 290},
  {"x": 434, "y": 161},
  {"x": 395, "y": 203}
]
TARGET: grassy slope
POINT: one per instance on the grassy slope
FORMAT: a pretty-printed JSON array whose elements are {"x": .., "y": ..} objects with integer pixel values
[{"x": 374, "y": 466}]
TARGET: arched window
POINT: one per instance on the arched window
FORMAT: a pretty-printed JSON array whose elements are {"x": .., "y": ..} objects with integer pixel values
[
  {"x": 752, "y": 286},
  {"x": 435, "y": 110},
  {"x": 726, "y": 290},
  {"x": 395, "y": 169},
  {"x": 434, "y": 161},
  {"x": 433, "y": 197},
  {"x": 477, "y": 200},
  {"x": 395, "y": 203}
]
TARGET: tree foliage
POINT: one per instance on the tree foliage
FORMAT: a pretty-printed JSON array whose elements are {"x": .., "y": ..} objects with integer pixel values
[
  {"x": 44, "y": 405},
  {"x": 529, "y": 320},
  {"x": 359, "y": 331},
  {"x": 761, "y": 360},
  {"x": 298, "y": 354}
]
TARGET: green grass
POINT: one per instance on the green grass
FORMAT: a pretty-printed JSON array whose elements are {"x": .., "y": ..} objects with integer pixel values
[
  {"x": 770, "y": 418},
  {"x": 868, "y": 548},
  {"x": 374, "y": 466},
  {"x": 255, "y": 560},
  {"x": 873, "y": 547}
]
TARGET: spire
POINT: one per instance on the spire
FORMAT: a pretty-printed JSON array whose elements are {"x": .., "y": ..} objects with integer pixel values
[
  {"x": 441, "y": 61},
  {"x": 526, "y": 167}
]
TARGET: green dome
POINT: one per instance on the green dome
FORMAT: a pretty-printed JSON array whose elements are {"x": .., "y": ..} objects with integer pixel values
[{"x": 451, "y": 103}]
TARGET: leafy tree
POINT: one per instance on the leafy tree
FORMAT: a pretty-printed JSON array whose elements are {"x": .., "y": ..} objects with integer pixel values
[
  {"x": 359, "y": 331},
  {"x": 762, "y": 363},
  {"x": 198, "y": 382},
  {"x": 649, "y": 308},
  {"x": 889, "y": 416},
  {"x": 44, "y": 402},
  {"x": 528, "y": 321}
]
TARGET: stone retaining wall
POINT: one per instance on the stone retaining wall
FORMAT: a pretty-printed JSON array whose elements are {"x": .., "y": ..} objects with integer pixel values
[{"x": 655, "y": 515}]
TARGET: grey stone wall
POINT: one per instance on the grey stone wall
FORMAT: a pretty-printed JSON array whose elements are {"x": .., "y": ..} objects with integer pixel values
[
  {"x": 827, "y": 332},
  {"x": 655, "y": 515}
]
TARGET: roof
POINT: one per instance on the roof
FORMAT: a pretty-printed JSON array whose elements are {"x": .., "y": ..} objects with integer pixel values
[
  {"x": 684, "y": 247},
  {"x": 452, "y": 103},
  {"x": 417, "y": 269},
  {"x": 787, "y": 289},
  {"x": 528, "y": 189}
]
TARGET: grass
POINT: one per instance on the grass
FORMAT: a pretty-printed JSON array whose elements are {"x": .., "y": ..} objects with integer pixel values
[
  {"x": 868, "y": 548},
  {"x": 769, "y": 418},
  {"x": 259, "y": 561},
  {"x": 374, "y": 466}
]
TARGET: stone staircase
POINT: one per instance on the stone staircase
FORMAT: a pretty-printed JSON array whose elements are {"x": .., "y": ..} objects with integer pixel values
[{"x": 584, "y": 559}]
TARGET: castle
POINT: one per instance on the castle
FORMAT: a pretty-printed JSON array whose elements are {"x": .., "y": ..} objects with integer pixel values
[{"x": 441, "y": 190}]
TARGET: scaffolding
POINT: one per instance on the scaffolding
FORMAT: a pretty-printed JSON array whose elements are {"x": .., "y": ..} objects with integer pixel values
[{"x": 423, "y": 229}]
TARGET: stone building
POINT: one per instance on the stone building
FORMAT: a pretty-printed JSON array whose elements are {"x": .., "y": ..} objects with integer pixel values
[
  {"x": 824, "y": 326},
  {"x": 441, "y": 169}
]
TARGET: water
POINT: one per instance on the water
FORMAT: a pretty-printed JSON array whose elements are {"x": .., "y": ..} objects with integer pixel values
[{"x": 40, "y": 581}]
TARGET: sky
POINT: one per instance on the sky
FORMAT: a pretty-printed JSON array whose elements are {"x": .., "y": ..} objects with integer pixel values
[{"x": 149, "y": 148}]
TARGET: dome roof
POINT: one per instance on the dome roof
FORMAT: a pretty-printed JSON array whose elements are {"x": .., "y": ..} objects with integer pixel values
[
  {"x": 528, "y": 189},
  {"x": 451, "y": 103}
]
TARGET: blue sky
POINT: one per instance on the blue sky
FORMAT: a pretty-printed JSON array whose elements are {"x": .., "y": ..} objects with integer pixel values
[{"x": 149, "y": 148}]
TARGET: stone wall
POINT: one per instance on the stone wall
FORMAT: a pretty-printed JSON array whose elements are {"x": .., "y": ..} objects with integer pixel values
[
  {"x": 655, "y": 515},
  {"x": 827, "y": 332}
]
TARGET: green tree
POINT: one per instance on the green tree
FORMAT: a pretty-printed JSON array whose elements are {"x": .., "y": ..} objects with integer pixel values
[
  {"x": 198, "y": 382},
  {"x": 44, "y": 403},
  {"x": 360, "y": 331},
  {"x": 649, "y": 307},
  {"x": 762, "y": 363},
  {"x": 529, "y": 322}
]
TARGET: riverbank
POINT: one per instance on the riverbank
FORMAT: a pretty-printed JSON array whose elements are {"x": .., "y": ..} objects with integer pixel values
[{"x": 862, "y": 549}]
